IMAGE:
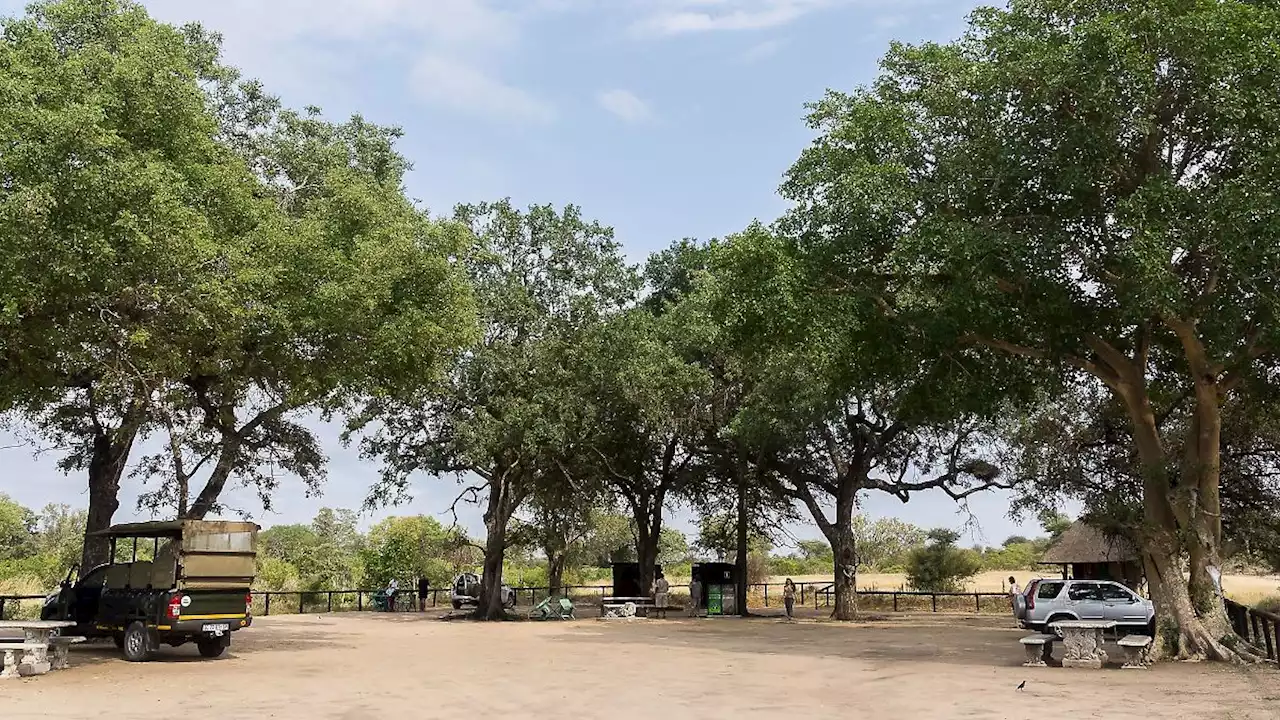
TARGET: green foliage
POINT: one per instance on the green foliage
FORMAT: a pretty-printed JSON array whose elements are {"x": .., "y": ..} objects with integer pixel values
[
  {"x": 940, "y": 566},
  {"x": 718, "y": 536},
  {"x": 407, "y": 548},
  {"x": 17, "y": 524}
]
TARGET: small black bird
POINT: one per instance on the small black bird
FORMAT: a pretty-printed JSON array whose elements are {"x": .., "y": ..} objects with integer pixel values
[{"x": 1021, "y": 685}]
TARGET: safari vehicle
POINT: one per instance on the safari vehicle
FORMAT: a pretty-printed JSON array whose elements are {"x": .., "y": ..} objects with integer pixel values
[
  {"x": 466, "y": 592},
  {"x": 195, "y": 588}
]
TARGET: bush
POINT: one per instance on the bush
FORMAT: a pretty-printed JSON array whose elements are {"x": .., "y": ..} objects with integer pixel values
[
  {"x": 1270, "y": 604},
  {"x": 940, "y": 566}
]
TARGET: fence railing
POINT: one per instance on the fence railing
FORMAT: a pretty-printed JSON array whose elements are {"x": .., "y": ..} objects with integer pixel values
[
  {"x": 759, "y": 595},
  {"x": 1260, "y": 628}
]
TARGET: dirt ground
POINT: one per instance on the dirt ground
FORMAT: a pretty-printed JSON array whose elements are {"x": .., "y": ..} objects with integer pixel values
[{"x": 357, "y": 666}]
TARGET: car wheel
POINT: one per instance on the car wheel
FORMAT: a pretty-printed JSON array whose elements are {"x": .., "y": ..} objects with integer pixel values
[
  {"x": 457, "y": 605},
  {"x": 1048, "y": 625},
  {"x": 211, "y": 647},
  {"x": 137, "y": 643}
]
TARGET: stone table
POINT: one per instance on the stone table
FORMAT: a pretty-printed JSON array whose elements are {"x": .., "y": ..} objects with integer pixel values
[
  {"x": 1083, "y": 641},
  {"x": 37, "y": 634}
]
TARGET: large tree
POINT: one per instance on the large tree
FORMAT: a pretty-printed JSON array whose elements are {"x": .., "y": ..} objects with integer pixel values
[
  {"x": 845, "y": 399},
  {"x": 120, "y": 212},
  {"x": 505, "y": 418},
  {"x": 1088, "y": 187}
]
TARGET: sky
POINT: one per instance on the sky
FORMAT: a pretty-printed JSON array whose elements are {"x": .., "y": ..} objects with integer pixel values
[{"x": 664, "y": 119}]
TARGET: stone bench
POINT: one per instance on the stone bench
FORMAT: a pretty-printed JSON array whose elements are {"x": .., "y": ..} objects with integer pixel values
[
  {"x": 1039, "y": 649},
  {"x": 1136, "y": 649},
  {"x": 61, "y": 647},
  {"x": 23, "y": 658}
]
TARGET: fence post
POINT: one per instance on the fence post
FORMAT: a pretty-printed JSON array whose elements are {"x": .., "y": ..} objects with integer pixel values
[
  {"x": 895, "y": 602},
  {"x": 766, "y": 594},
  {"x": 1267, "y": 632},
  {"x": 302, "y": 599},
  {"x": 1, "y": 608},
  {"x": 935, "y": 602},
  {"x": 330, "y": 601},
  {"x": 977, "y": 603},
  {"x": 359, "y": 601}
]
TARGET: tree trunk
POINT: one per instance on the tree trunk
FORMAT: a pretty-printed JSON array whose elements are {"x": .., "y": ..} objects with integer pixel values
[
  {"x": 110, "y": 455},
  {"x": 845, "y": 564},
  {"x": 741, "y": 560},
  {"x": 555, "y": 573},
  {"x": 647, "y": 513},
  {"x": 502, "y": 505},
  {"x": 1181, "y": 631}
]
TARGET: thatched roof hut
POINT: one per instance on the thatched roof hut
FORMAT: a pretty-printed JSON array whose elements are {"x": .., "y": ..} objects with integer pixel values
[
  {"x": 1083, "y": 543},
  {"x": 1088, "y": 553}
]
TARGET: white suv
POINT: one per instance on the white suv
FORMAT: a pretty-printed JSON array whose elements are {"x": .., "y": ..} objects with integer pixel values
[{"x": 1048, "y": 601}]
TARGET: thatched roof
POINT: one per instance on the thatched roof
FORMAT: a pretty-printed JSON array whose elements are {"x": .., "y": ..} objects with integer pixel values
[{"x": 1083, "y": 543}]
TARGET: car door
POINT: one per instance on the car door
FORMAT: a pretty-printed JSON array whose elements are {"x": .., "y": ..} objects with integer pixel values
[
  {"x": 1085, "y": 602},
  {"x": 1122, "y": 605}
]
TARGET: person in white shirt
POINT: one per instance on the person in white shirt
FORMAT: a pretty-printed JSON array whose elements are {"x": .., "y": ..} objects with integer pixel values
[{"x": 1013, "y": 594}]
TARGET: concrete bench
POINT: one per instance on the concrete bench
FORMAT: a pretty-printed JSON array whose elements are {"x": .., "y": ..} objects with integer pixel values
[
  {"x": 23, "y": 658},
  {"x": 1039, "y": 649},
  {"x": 1136, "y": 649},
  {"x": 61, "y": 647}
]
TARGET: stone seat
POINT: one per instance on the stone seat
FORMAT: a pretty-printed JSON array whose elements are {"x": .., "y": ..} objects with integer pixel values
[
  {"x": 1039, "y": 649},
  {"x": 1136, "y": 649}
]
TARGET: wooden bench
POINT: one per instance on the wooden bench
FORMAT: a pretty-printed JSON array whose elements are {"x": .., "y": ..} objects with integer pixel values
[
  {"x": 1039, "y": 649},
  {"x": 1136, "y": 648},
  {"x": 23, "y": 658}
]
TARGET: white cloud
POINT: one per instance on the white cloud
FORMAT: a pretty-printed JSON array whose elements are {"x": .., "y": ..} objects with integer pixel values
[
  {"x": 625, "y": 105},
  {"x": 680, "y": 17},
  {"x": 453, "y": 49},
  {"x": 448, "y": 83}
]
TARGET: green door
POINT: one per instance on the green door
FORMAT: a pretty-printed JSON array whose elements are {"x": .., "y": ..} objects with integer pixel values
[{"x": 714, "y": 595}]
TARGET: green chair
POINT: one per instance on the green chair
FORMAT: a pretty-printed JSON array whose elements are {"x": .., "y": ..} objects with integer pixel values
[
  {"x": 553, "y": 609},
  {"x": 566, "y": 609}
]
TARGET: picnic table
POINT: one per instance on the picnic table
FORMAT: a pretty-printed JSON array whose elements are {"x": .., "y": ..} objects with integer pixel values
[
  {"x": 1083, "y": 642},
  {"x": 39, "y": 636}
]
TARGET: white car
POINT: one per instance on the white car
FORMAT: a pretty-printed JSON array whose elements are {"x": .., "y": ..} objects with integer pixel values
[{"x": 466, "y": 591}]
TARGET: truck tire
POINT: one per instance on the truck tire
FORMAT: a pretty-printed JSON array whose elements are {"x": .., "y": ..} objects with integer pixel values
[
  {"x": 211, "y": 647},
  {"x": 137, "y": 643}
]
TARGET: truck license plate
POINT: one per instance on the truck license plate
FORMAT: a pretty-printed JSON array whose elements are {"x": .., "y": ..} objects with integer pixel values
[{"x": 216, "y": 628}]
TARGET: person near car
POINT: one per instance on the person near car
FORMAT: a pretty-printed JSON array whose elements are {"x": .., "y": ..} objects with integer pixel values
[
  {"x": 695, "y": 596},
  {"x": 1013, "y": 595},
  {"x": 424, "y": 588},
  {"x": 392, "y": 588},
  {"x": 661, "y": 590},
  {"x": 789, "y": 598}
]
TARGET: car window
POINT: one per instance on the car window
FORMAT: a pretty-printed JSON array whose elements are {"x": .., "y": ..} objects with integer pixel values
[
  {"x": 1114, "y": 593},
  {"x": 95, "y": 577},
  {"x": 1048, "y": 590},
  {"x": 1083, "y": 592}
]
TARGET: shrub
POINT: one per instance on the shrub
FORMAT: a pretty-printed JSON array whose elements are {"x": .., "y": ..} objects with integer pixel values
[{"x": 940, "y": 566}]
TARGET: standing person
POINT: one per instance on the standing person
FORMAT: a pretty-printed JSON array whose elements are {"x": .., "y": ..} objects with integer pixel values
[
  {"x": 661, "y": 588},
  {"x": 789, "y": 598},
  {"x": 392, "y": 588},
  {"x": 1013, "y": 599},
  {"x": 424, "y": 588},
  {"x": 695, "y": 596}
]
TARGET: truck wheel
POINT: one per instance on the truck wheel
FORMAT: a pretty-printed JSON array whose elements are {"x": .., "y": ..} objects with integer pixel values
[
  {"x": 211, "y": 647},
  {"x": 137, "y": 643}
]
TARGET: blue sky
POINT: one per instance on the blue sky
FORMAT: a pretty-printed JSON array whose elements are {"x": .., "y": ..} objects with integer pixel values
[{"x": 663, "y": 118}]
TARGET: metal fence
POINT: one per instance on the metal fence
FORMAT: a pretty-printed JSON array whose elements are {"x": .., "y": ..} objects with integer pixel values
[
  {"x": 759, "y": 595},
  {"x": 1260, "y": 628}
]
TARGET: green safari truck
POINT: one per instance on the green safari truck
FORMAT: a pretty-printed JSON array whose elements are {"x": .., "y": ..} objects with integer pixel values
[{"x": 185, "y": 581}]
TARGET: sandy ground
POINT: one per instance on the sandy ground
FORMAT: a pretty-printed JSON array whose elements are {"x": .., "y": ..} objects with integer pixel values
[{"x": 357, "y": 666}]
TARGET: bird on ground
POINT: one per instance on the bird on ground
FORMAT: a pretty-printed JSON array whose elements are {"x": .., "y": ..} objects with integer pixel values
[{"x": 1021, "y": 685}]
